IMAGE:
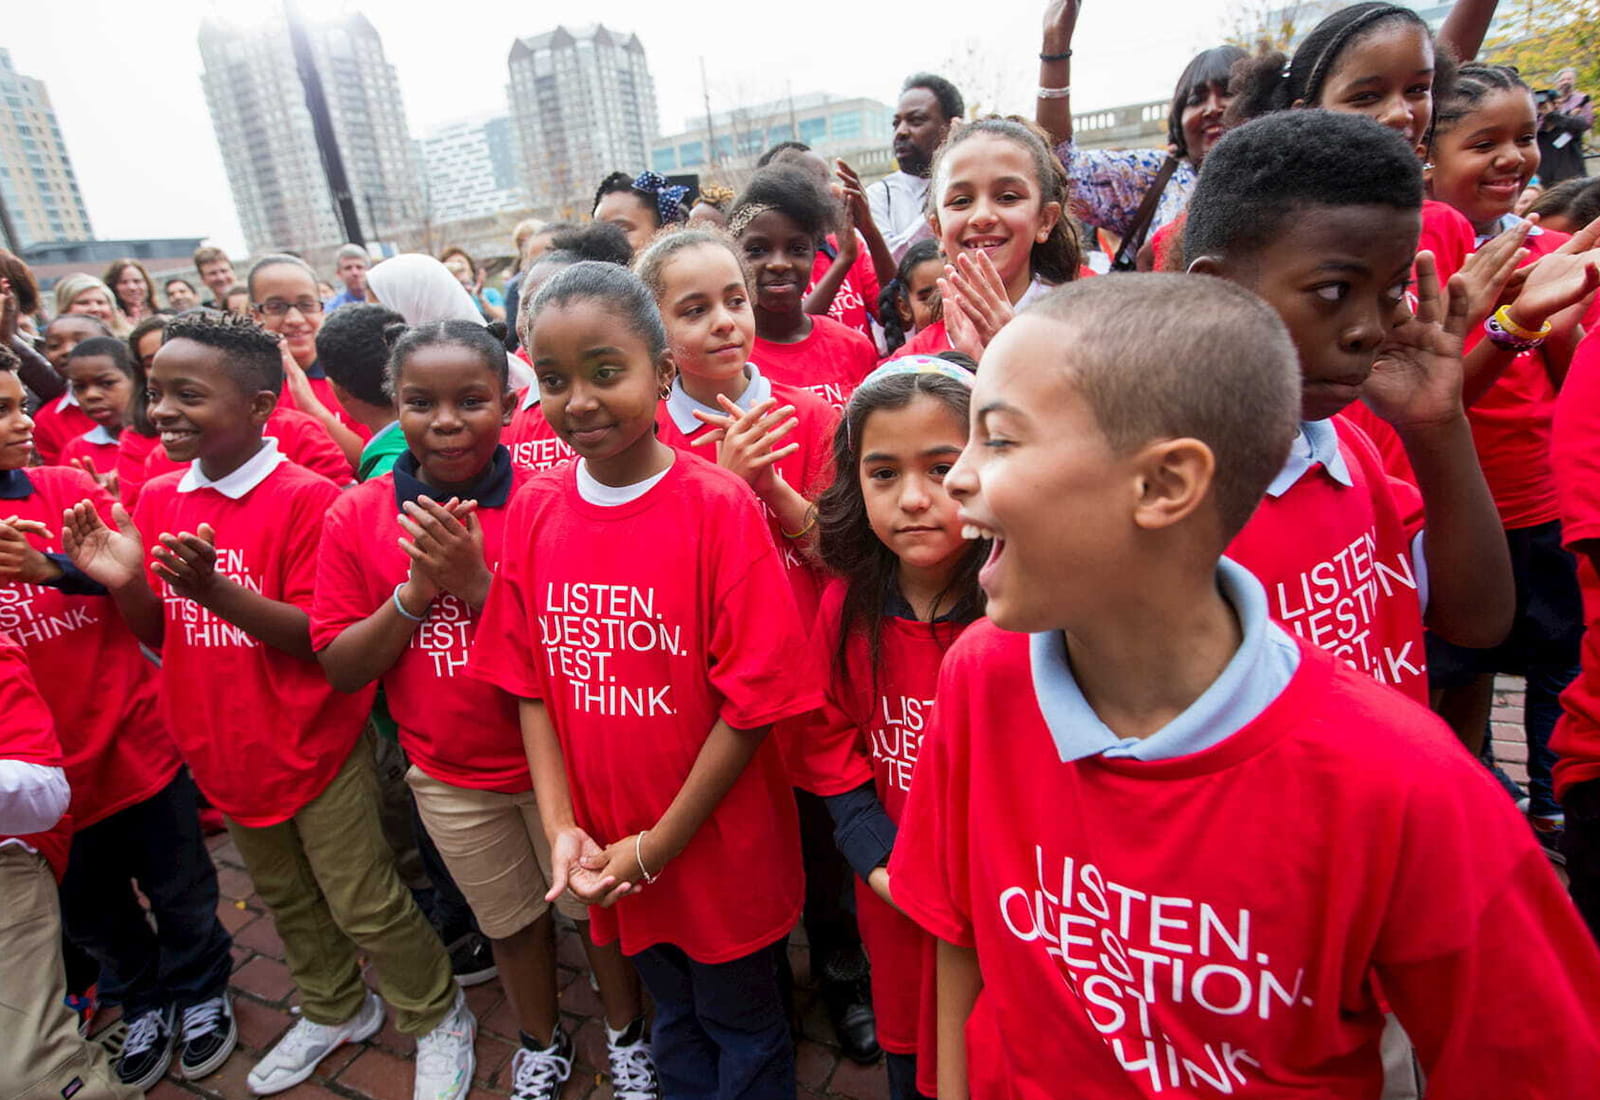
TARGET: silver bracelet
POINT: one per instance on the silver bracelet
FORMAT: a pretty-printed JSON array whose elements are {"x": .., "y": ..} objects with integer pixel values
[
  {"x": 401, "y": 608},
  {"x": 1055, "y": 93},
  {"x": 638, "y": 854}
]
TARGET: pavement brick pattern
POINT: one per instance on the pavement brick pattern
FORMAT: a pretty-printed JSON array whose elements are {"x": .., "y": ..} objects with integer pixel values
[{"x": 381, "y": 1068}]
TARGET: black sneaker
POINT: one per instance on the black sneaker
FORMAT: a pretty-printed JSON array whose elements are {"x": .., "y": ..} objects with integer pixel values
[
  {"x": 147, "y": 1051},
  {"x": 209, "y": 1036},
  {"x": 539, "y": 1074},
  {"x": 472, "y": 960}
]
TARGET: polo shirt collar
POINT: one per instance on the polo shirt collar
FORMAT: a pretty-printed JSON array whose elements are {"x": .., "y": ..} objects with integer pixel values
[
  {"x": 681, "y": 407},
  {"x": 68, "y": 399},
  {"x": 492, "y": 490},
  {"x": 1506, "y": 222},
  {"x": 315, "y": 370},
  {"x": 235, "y": 485},
  {"x": 15, "y": 485},
  {"x": 1316, "y": 445},
  {"x": 1256, "y": 675},
  {"x": 99, "y": 436}
]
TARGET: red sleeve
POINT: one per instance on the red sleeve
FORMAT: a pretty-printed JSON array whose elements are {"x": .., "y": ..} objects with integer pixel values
[
  {"x": 1407, "y": 498},
  {"x": 503, "y": 649},
  {"x": 755, "y": 631},
  {"x": 928, "y": 868},
  {"x": 1575, "y": 445},
  {"x": 308, "y": 444},
  {"x": 299, "y": 563},
  {"x": 828, "y": 755},
  {"x": 344, "y": 596},
  {"x": 1448, "y": 235},
  {"x": 863, "y": 357},
  {"x": 865, "y": 276},
  {"x": 28, "y": 734}
]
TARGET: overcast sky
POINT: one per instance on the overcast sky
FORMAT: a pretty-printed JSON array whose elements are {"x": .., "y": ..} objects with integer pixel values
[{"x": 125, "y": 76}]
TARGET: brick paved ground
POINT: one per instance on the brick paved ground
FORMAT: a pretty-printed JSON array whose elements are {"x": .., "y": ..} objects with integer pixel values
[{"x": 381, "y": 1069}]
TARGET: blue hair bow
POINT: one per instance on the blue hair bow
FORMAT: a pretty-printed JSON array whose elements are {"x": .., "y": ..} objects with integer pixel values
[{"x": 669, "y": 196}]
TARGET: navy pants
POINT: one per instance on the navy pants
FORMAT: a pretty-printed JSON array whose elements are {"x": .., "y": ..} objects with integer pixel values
[
  {"x": 721, "y": 1030},
  {"x": 1580, "y": 843},
  {"x": 902, "y": 1070},
  {"x": 158, "y": 845}
]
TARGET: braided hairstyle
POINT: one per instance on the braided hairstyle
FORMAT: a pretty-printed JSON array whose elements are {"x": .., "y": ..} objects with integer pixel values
[
  {"x": 1472, "y": 85},
  {"x": 898, "y": 290},
  {"x": 1273, "y": 82}
]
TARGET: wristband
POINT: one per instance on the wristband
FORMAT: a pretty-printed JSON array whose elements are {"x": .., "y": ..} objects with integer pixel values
[
  {"x": 1062, "y": 56},
  {"x": 638, "y": 854},
  {"x": 1502, "y": 316},
  {"x": 1508, "y": 341},
  {"x": 401, "y": 608},
  {"x": 811, "y": 521},
  {"x": 1054, "y": 93}
]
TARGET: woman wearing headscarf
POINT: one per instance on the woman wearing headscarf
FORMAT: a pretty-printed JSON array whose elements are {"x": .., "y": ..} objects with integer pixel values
[{"x": 421, "y": 289}]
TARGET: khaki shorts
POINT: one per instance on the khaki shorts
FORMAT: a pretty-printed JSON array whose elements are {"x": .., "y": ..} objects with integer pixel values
[{"x": 496, "y": 850}]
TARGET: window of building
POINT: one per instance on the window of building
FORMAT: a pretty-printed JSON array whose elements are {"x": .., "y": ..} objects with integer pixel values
[
  {"x": 847, "y": 125},
  {"x": 813, "y": 130}
]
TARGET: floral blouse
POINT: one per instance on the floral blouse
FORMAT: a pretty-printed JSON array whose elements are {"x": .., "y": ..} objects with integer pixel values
[{"x": 1109, "y": 184}]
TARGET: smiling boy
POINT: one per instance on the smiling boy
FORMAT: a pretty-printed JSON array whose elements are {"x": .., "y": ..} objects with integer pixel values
[{"x": 1191, "y": 842}]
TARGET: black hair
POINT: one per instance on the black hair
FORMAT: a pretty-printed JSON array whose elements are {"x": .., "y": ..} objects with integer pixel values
[
  {"x": 616, "y": 288},
  {"x": 950, "y": 102},
  {"x": 1057, "y": 258},
  {"x": 352, "y": 349},
  {"x": 9, "y": 360},
  {"x": 1577, "y": 200},
  {"x": 793, "y": 192},
  {"x": 621, "y": 181},
  {"x": 898, "y": 289},
  {"x": 1263, "y": 174},
  {"x": 1208, "y": 67},
  {"x": 88, "y": 318},
  {"x": 488, "y": 342},
  {"x": 250, "y": 353},
  {"x": 138, "y": 418},
  {"x": 23, "y": 285},
  {"x": 275, "y": 259},
  {"x": 165, "y": 283},
  {"x": 847, "y": 544},
  {"x": 779, "y": 149},
  {"x": 1274, "y": 82},
  {"x": 653, "y": 260},
  {"x": 1472, "y": 85},
  {"x": 108, "y": 346},
  {"x": 600, "y": 241}
]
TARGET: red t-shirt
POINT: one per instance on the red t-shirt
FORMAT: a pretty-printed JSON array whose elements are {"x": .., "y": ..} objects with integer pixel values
[
  {"x": 100, "y": 688},
  {"x": 870, "y": 729},
  {"x": 103, "y": 455},
  {"x": 456, "y": 728},
  {"x": 133, "y": 453},
  {"x": 1448, "y": 235},
  {"x": 533, "y": 443},
  {"x": 301, "y": 437},
  {"x": 929, "y": 341},
  {"x": 640, "y": 626},
  {"x": 856, "y": 302},
  {"x": 1511, "y": 426},
  {"x": 56, "y": 424},
  {"x": 1336, "y": 563},
  {"x": 1575, "y": 458},
  {"x": 831, "y": 362},
  {"x": 809, "y": 470},
  {"x": 1215, "y": 924},
  {"x": 29, "y": 735},
  {"x": 323, "y": 389},
  {"x": 263, "y": 732}
]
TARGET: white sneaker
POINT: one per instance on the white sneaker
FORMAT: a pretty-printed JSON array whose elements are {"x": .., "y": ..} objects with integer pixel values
[
  {"x": 633, "y": 1071},
  {"x": 539, "y": 1074},
  {"x": 445, "y": 1058},
  {"x": 296, "y": 1056}
]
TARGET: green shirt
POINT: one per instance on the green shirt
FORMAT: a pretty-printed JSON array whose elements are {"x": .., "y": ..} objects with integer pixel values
[{"x": 377, "y": 457}]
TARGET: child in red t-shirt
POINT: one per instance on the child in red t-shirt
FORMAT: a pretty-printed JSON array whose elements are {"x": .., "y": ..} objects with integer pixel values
[
  {"x": 134, "y": 810},
  {"x": 1085, "y": 833},
  {"x": 1483, "y": 154},
  {"x": 910, "y": 302},
  {"x": 642, "y": 616},
  {"x": 405, "y": 610},
  {"x": 778, "y": 221},
  {"x": 1327, "y": 234},
  {"x": 225, "y": 600},
  {"x": 101, "y": 376},
  {"x": 58, "y": 422},
  {"x": 906, "y": 589},
  {"x": 998, "y": 198}
]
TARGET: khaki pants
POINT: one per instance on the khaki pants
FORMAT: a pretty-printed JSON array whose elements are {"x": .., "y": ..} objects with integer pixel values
[
  {"x": 42, "y": 1056},
  {"x": 328, "y": 876}
]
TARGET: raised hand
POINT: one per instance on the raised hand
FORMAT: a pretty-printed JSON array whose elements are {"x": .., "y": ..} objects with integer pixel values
[
  {"x": 114, "y": 558},
  {"x": 747, "y": 440},
  {"x": 853, "y": 194},
  {"x": 972, "y": 288},
  {"x": 1060, "y": 20},
  {"x": 1490, "y": 270},
  {"x": 187, "y": 562},
  {"x": 1416, "y": 379},
  {"x": 106, "y": 481}
]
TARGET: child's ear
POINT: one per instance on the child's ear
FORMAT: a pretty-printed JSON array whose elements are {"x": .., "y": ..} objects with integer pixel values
[
  {"x": 261, "y": 407},
  {"x": 666, "y": 371},
  {"x": 1205, "y": 265},
  {"x": 1049, "y": 215},
  {"x": 902, "y": 306},
  {"x": 1175, "y": 477},
  {"x": 508, "y": 406}
]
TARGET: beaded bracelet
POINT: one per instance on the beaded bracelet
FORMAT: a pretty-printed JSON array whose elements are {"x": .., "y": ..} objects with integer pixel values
[{"x": 1064, "y": 55}]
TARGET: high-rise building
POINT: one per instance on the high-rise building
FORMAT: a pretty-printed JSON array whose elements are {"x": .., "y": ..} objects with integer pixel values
[
  {"x": 264, "y": 129},
  {"x": 470, "y": 169},
  {"x": 726, "y": 145},
  {"x": 42, "y": 200},
  {"x": 583, "y": 105}
]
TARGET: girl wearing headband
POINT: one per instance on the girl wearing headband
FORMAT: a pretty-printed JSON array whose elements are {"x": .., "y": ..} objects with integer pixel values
[{"x": 639, "y": 205}]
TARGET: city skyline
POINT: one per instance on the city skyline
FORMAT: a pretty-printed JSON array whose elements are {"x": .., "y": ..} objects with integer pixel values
[
  {"x": 42, "y": 198},
  {"x": 155, "y": 171}
]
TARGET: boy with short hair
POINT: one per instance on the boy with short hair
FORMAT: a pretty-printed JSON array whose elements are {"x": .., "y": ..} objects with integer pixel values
[
  {"x": 61, "y": 420},
  {"x": 1200, "y": 876},
  {"x": 1319, "y": 213},
  {"x": 352, "y": 351},
  {"x": 271, "y": 744}
]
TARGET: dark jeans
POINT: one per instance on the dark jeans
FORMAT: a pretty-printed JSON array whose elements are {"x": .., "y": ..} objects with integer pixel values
[
  {"x": 721, "y": 1031},
  {"x": 1580, "y": 843},
  {"x": 829, "y": 917},
  {"x": 902, "y": 1076},
  {"x": 156, "y": 844}
]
